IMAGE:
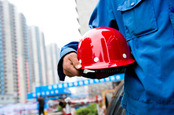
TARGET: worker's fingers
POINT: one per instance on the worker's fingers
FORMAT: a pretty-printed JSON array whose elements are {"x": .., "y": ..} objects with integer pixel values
[
  {"x": 73, "y": 58},
  {"x": 71, "y": 65},
  {"x": 72, "y": 73},
  {"x": 70, "y": 70}
]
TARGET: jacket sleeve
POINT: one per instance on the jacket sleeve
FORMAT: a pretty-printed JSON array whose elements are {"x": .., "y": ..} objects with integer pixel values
[{"x": 70, "y": 47}]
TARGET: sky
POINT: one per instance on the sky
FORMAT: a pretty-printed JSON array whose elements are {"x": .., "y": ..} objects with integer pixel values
[{"x": 57, "y": 19}]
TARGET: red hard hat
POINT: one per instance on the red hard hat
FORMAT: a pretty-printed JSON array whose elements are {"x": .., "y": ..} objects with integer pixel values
[{"x": 103, "y": 48}]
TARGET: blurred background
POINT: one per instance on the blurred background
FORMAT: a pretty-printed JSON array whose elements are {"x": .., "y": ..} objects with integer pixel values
[{"x": 32, "y": 33}]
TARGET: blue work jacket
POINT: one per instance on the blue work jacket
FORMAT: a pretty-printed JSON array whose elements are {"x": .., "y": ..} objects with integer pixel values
[{"x": 148, "y": 26}]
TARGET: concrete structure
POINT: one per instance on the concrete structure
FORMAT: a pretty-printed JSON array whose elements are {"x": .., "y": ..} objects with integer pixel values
[
  {"x": 84, "y": 9},
  {"x": 22, "y": 62},
  {"x": 34, "y": 57},
  {"x": 9, "y": 83},
  {"x": 31, "y": 57},
  {"x": 43, "y": 65},
  {"x": 38, "y": 57},
  {"x": 52, "y": 60},
  {"x": 2, "y": 78}
]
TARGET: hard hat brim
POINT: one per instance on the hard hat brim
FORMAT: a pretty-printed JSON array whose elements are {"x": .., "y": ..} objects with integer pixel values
[{"x": 104, "y": 65}]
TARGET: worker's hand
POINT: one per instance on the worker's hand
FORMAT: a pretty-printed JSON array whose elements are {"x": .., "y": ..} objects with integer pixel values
[{"x": 71, "y": 65}]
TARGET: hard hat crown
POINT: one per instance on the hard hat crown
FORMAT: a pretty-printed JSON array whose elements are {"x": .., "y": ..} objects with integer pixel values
[{"x": 102, "y": 48}]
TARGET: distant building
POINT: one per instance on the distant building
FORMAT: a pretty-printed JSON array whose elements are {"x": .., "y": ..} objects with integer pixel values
[
  {"x": 38, "y": 57},
  {"x": 14, "y": 54},
  {"x": 84, "y": 9},
  {"x": 52, "y": 59},
  {"x": 8, "y": 52},
  {"x": 31, "y": 60},
  {"x": 22, "y": 59},
  {"x": 2, "y": 73},
  {"x": 23, "y": 56}
]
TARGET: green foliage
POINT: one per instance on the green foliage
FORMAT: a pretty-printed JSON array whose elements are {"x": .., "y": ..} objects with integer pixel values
[
  {"x": 59, "y": 108},
  {"x": 89, "y": 110}
]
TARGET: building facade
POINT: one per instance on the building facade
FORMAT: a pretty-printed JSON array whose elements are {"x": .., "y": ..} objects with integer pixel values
[
  {"x": 52, "y": 59},
  {"x": 38, "y": 57},
  {"x": 9, "y": 82},
  {"x": 2, "y": 73},
  {"x": 23, "y": 56}
]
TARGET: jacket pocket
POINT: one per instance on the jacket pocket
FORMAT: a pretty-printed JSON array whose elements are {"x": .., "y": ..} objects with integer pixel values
[{"x": 138, "y": 17}]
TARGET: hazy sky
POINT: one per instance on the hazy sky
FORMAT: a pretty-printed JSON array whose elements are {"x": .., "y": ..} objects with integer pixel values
[{"x": 56, "y": 18}]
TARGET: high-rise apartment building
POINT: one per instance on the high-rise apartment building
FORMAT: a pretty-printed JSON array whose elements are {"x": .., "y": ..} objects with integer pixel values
[
  {"x": 9, "y": 83},
  {"x": 43, "y": 59},
  {"x": 12, "y": 18},
  {"x": 2, "y": 76},
  {"x": 14, "y": 52},
  {"x": 33, "y": 57},
  {"x": 23, "y": 56},
  {"x": 52, "y": 60},
  {"x": 38, "y": 57}
]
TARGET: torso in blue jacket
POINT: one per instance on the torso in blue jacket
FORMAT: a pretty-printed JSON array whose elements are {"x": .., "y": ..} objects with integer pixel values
[{"x": 148, "y": 26}]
